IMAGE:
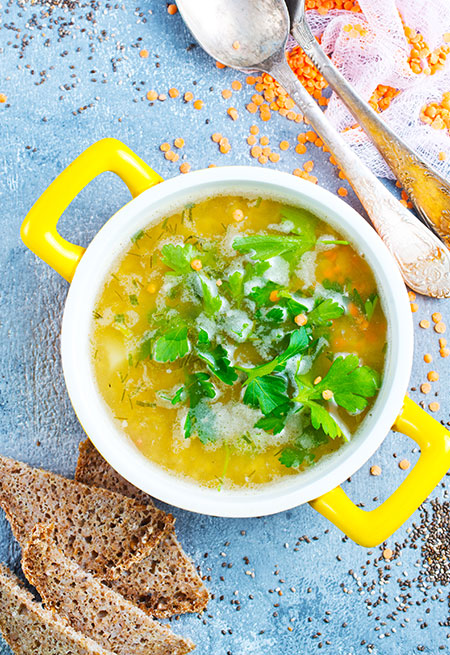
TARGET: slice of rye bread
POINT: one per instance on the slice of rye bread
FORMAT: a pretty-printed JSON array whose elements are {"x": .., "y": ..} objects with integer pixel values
[
  {"x": 29, "y": 629},
  {"x": 104, "y": 532},
  {"x": 166, "y": 582},
  {"x": 90, "y": 606}
]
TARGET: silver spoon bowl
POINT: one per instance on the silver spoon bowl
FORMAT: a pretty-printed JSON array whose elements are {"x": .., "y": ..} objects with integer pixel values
[{"x": 251, "y": 35}]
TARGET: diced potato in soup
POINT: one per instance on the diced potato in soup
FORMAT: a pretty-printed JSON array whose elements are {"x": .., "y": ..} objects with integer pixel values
[{"x": 239, "y": 341}]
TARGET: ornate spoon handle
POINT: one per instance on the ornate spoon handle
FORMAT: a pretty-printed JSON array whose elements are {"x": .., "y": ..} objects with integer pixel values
[
  {"x": 423, "y": 260},
  {"x": 429, "y": 192}
]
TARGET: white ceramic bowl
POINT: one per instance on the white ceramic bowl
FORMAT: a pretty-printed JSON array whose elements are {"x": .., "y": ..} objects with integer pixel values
[{"x": 113, "y": 239}]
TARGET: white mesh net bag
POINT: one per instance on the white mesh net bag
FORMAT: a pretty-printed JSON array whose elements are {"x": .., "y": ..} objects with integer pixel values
[{"x": 380, "y": 56}]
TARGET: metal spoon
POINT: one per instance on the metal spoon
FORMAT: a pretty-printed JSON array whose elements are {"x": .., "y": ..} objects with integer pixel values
[
  {"x": 251, "y": 35},
  {"x": 429, "y": 192}
]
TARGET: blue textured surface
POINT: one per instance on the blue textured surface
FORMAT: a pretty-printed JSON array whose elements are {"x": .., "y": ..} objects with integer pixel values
[{"x": 71, "y": 77}]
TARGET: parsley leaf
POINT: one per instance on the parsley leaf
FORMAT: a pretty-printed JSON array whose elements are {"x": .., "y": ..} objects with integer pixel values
[
  {"x": 303, "y": 221},
  {"x": 171, "y": 345},
  {"x": 324, "y": 311},
  {"x": 350, "y": 383},
  {"x": 365, "y": 307},
  {"x": 178, "y": 258},
  {"x": 267, "y": 392},
  {"x": 294, "y": 456},
  {"x": 298, "y": 343},
  {"x": 275, "y": 421},
  {"x": 266, "y": 246},
  {"x": 235, "y": 286},
  {"x": 321, "y": 418},
  {"x": 261, "y": 295},
  {"x": 212, "y": 302},
  {"x": 197, "y": 387},
  {"x": 370, "y": 304},
  {"x": 275, "y": 315},
  {"x": 216, "y": 358}
]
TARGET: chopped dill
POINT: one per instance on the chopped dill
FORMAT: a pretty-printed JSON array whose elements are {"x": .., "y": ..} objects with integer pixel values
[{"x": 136, "y": 237}]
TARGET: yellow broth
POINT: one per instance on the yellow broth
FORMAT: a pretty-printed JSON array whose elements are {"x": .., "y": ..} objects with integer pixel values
[{"x": 138, "y": 389}]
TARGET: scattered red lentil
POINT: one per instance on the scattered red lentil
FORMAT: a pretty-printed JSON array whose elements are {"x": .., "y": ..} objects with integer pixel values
[
  {"x": 173, "y": 92},
  {"x": 216, "y": 137},
  {"x": 425, "y": 387},
  {"x": 264, "y": 140},
  {"x": 162, "y": 97},
  {"x": 433, "y": 376},
  {"x": 414, "y": 307},
  {"x": 342, "y": 191},
  {"x": 254, "y": 129},
  {"x": 188, "y": 96},
  {"x": 300, "y": 319},
  {"x": 440, "y": 327},
  {"x": 3, "y": 98},
  {"x": 185, "y": 167},
  {"x": 274, "y": 157},
  {"x": 300, "y": 149},
  {"x": 236, "y": 85},
  {"x": 444, "y": 352},
  {"x": 273, "y": 297},
  {"x": 387, "y": 553},
  {"x": 375, "y": 470},
  {"x": 172, "y": 9},
  {"x": 178, "y": 142},
  {"x": 232, "y": 113},
  {"x": 198, "y": 104},
  {"x": 164, "y": 146},
  {"x": 436, "y": 317},
  {"x": 196, "y": 264},
  {"x": 424, "y": 323},
  {"x": 226, "y": 94},
  {"x": 427, "y": 358},
  {"x": 434, "y": 407},
  {"x": 144, "y": 53},
  {"x": 404, "y": 464},
  {"x": 256, "y": 151},
  {"x": 284, "y": 145},
  {"x": 151, "y": 95}
]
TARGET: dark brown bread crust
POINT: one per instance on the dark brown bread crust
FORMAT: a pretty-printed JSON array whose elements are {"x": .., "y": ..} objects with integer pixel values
[
  {"x": 104, "y": 532},
  {"x": 91, "y": 607},
  {"x": 166, "y": 582},
  {"x": 29, "y": 629}
]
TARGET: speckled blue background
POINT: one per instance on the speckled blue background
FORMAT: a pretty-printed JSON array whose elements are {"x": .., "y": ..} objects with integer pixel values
[{"x": 74, "y": 75}]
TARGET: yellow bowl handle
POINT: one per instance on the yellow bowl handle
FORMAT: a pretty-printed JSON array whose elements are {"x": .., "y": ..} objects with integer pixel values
[
  {"x": 370, "y": 528},
  {"x": 39, "y": 231}
]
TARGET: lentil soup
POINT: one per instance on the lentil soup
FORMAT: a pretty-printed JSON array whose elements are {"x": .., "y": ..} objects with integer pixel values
[{"x": 239, "y": 341}]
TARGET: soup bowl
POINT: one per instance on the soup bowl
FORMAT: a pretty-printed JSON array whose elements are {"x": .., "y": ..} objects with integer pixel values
[{"x": 86, "y": 270}]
